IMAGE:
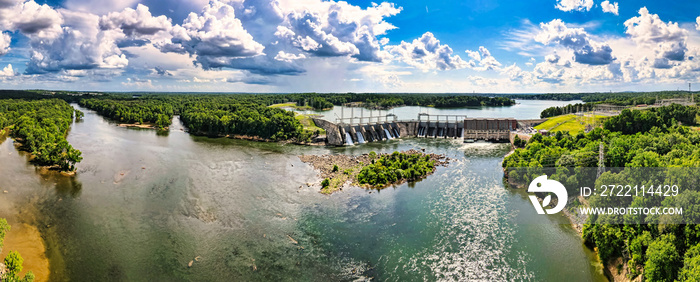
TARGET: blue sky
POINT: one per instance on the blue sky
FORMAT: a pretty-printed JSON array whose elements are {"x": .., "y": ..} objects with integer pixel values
[{"x": 359, "y": 46}]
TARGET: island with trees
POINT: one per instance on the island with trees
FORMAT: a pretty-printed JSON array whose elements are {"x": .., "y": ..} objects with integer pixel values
[
  {"x": 40, "y": 127},
  {"x": 373, "y": 171}
]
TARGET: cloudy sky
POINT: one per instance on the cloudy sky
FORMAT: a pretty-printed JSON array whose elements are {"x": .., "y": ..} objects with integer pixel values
[{"x": 362, "y": 46}]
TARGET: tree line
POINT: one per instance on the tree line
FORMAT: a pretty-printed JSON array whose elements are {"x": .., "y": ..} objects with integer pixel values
[
  {"x": 662, "y": 249},
  {"x": 41, "y": 126}
]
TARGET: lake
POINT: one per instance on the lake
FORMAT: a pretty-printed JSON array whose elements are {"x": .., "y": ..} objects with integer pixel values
[{"x": 144, "y": 205}]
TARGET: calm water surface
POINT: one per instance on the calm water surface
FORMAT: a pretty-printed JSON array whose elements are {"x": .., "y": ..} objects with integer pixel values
[{"x": 143, "y": 205}]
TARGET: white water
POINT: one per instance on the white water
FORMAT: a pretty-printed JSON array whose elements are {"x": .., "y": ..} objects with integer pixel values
[
  {"x": 360, "y": 138},
  {"x": 388, "y": 135},
  {"x": 348, "y": 139},
  {"x": 396, "y": 133}
]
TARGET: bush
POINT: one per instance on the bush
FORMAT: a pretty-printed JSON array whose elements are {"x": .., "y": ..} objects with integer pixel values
[
  {"x": 335, "y": 168},
  {"x": 325, "y": 183}
]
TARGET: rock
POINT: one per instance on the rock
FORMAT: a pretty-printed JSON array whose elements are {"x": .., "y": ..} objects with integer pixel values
[{"x": 190, "y": 264}]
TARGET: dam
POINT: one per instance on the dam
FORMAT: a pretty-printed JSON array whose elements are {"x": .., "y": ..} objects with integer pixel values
[{"x": 359, "y": 130}]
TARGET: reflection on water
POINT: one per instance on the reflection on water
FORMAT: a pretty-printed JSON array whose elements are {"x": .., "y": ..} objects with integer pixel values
[{"x": 143, "y": 206}]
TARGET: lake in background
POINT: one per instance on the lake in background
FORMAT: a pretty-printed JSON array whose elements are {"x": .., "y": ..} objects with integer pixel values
[{"x": 143, "y": 205}]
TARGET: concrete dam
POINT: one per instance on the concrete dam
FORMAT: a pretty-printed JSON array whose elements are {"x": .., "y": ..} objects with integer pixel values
[{"x": 426, "y": 126}]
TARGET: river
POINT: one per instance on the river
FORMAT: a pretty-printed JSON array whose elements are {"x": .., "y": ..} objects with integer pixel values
[{"x": 144, "y": 205}]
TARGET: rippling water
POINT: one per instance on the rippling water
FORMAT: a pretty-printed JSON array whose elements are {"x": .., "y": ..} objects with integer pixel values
[{"x": 144, "y": 205}]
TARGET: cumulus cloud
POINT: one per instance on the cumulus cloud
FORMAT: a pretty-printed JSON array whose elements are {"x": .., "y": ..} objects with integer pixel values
[
  {"x": 284, "y": 56},
  {"x": 30, "y": 18},
  {"x": 7, "y": 71},
  {"x": 330, "y": 29},
  {"x": 5, "y": 40},
  {"x": 574, "y": 5},
  {"x": 99, "y": 7},
  {"x": 609, "y": 7},
  {"x": 215, "y": 37},
  {"x": 667, "y": 39},
  {"x": 482, "y": 60},
  {"x": 138, "y": 83},
  {"x": 426, "y": 53},
  {"x": 586, "y": 50},
  {"x": 697, "y": 23},
  {"x": 81, "y": 45},
  {"x": 135, "y": 23}
]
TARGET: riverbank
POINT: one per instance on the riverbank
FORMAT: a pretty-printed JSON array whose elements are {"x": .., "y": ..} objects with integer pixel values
[
  {"x": 24, "y": 236},
  {"x": 342, "y": 170}
]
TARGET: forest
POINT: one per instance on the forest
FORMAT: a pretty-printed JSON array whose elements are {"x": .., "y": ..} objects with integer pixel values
[
  {"x": 41, "y": 127},
  {"x": 660, "y": 250}
]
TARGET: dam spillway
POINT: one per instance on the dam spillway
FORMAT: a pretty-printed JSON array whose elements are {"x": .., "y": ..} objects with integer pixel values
[{"x": 377, "y": 129}]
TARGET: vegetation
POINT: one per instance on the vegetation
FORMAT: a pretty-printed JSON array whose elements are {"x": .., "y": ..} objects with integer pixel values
[
  {"x": 571, "y": 123},
  {"x": 633, "y": 121},
  {"x": 568, "y": 109},
  {"x": 41, "y": 127},
  {"x": 396, "y": 167},
  {"x": 134, "y": 111},
  {"x": 13, "y": 261},
  {"x": 650, "y": 138},
  {"x": 519, "y": 143}
]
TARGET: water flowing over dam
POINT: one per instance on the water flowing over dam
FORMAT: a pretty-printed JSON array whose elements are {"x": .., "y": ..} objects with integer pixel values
[{"x": 359, "y": 130}]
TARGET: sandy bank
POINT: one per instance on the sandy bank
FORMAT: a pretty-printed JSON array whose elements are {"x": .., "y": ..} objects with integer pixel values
[{"x": 27, "y": 240}]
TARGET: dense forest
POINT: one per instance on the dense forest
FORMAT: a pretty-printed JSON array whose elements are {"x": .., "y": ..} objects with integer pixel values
[
  {"x": 41, "y": 127},
  {"x": 654, "y": 138}
]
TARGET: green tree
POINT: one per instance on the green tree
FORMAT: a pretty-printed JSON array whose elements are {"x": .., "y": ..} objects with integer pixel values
[
  {"x": 662, "y": 259},
  {"x": 4, "y": 228},
  {"x": 13, "y": 262}
]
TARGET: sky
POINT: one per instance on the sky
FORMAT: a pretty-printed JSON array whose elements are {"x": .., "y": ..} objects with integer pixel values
[{"x": 466, "y": 46}]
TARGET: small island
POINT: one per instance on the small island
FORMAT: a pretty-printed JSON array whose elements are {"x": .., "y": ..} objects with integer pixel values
[{"x": 373, "y": 171}]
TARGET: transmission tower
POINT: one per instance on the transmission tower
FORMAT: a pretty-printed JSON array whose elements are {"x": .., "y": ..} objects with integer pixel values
[{"x": 601, "y": 160}]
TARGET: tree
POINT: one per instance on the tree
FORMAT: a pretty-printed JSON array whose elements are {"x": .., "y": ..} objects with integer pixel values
[
  {"x": 691, "y": 265},
  {"x": 13, "y": 262},
  {"x": 4, "y": 228},
  {"x": 662, "y": 259}
]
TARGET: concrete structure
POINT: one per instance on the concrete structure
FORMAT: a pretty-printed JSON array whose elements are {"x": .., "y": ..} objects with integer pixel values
[
  {"x": 427, "y": 126},
  {"x": 490, "y": 129}
]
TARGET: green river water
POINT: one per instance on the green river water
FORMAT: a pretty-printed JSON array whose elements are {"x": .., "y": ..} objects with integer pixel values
[{"x": 143, "y": 205}]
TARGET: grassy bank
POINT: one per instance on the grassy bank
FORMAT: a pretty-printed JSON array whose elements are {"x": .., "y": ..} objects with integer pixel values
[{"x": 571, "y": 123}]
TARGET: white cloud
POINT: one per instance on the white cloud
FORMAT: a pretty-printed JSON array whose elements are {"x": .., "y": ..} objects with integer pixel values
[
  {"x": 667, "y": 39},
  {"x": 138, "y": 83},
  {"x": 586, "y": 50},
  {"x": 574, "y": 5},
  {"x": 284, "y": 56},
  {"x": 136, "y": 24},
  {"x": 5, "y": 40},
  {"x": 609, "y": 7},
  {"x": 7, "y": 71},
  {"x": 32, "y": 19},
  {"x": 483, "y": 59},
  {"x": 697, "y": 23},
  {"x": 99, "y": 7},
  {"x": 329, "y": 29},
  {"x": 426, "y": 53},
  {"x": 80, "y": 45},
  {"x": 215, "y": 37}
]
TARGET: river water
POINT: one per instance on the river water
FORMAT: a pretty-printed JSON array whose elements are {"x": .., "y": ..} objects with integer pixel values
[{"x": 144, "y": 205}]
